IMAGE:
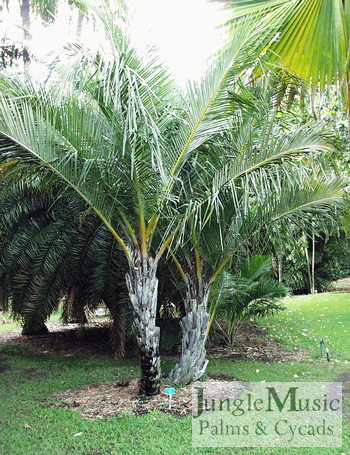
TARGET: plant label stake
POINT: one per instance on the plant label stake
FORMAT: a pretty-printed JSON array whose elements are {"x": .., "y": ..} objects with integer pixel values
[
  {"x": 322, "y": 342},
  {"x": 170, "y": 391}
]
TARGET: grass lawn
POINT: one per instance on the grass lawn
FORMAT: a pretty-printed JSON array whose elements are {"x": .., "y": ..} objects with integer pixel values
[
  {"x": 15, "y": 325},
  {"x": 309, "y": 319},
  {"x": 29, "y": 426}
]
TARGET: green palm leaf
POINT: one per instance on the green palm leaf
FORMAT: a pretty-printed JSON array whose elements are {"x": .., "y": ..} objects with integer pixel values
[{"x": 311, "y": 37}]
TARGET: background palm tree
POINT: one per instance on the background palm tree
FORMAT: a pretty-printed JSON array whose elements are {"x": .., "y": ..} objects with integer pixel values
[
  {"x": 55, "y": 253},
  {"x": 47, "y": 10}
]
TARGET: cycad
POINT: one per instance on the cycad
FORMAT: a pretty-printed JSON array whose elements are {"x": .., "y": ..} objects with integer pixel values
[{"x": 252, "y": 294}]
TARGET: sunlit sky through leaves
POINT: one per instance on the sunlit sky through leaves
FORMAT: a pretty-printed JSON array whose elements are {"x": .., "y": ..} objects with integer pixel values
[
  {"x": 184, "y": 29},
  {"x": 184, "y": 32}
]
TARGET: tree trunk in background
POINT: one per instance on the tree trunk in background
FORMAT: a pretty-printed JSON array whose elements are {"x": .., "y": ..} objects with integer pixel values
[
  {"x": 80, "y": 23},
  {"x": 280, "y": 271},
  {"x": 195, "y": 324},
  {"x": 25, "y": 18},
  {"x": 33, "y": 325},
  {"x": 313, "y": 264},
  {"x": 118, "y": 329},
  {"x": 25, "y": 13},
  {"x": 142, "y": 285},
  {"x": 308, "y": 268},
  {"x": 4, "y": 295},
  {"x": 74, "y": 309}
]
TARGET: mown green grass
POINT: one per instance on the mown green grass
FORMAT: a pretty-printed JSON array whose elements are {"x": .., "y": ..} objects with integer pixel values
[
  {"x": 309, "y": 319},
  {"x": 26, "y": 389},
  {"x": 10, "y": 324}
]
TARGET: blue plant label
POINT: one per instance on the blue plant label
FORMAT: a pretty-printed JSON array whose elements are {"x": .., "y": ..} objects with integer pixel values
[{"x": 170, "y": 390}]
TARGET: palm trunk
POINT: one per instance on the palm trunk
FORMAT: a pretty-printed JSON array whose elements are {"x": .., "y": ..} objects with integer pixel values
[
  {"x": 80, "y": 23},
  {"x": 33, "y": 325},
  {"x": 232, "y": 337},
  {"x": 142, "y": 285},
  {"x": 308, "y": 269},
  {"x": 280, "y": 270},
  {"x": 25, "y": 13},
  {"x": 195, "y": 324},
  {"x": 347, "y": 87},
  {"x": 313, "y": 264},
  {"x": 25, "y": 18},
  {"x": 118, "y": 329}
]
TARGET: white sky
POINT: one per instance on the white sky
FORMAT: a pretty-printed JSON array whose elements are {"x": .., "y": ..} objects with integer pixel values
[{"x": 184, "y": 31}]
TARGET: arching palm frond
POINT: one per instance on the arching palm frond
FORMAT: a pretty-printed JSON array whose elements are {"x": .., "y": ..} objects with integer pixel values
[
  {"x": 49, "y": 257},
  {"x": 268, "y": 173}
]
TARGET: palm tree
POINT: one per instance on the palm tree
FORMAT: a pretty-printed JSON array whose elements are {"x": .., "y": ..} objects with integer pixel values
[
  {"x": 108, "y": 129},
  {"x": 82, "y": 12},
  {"x": 253, "y": 187},
  {"x": 47, "y": 10},
  {"x": 108, "y": 132},
  {"x": 55, "y": 251},
  {"x": 311, "y": 39}
]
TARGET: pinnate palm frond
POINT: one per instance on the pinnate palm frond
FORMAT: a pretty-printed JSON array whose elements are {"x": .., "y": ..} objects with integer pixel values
[
  {"x": 251, "y": 294},
  {"x": 52, "y": 252}
]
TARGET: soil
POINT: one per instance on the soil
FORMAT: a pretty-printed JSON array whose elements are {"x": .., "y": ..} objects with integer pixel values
[{"x": 65, "y": 340}]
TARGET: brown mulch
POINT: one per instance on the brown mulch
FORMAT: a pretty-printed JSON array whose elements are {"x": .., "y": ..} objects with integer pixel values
[
  {"x": 118, "y": 397},
  {"x": 115, "y": 398},
  {"x": 254, "y": 343}
]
